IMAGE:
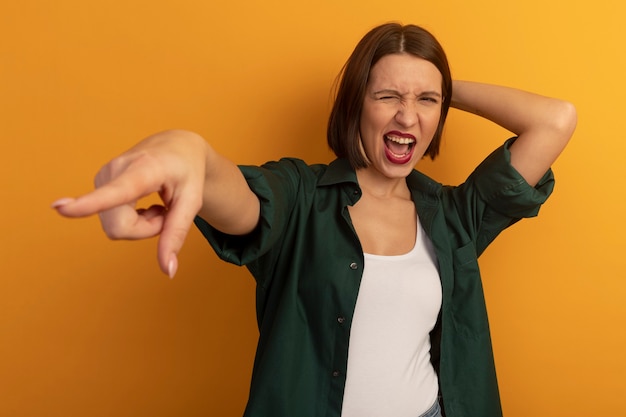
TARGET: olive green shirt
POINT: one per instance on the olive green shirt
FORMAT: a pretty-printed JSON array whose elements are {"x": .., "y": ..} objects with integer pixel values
[{"x": 308, "y": 262}]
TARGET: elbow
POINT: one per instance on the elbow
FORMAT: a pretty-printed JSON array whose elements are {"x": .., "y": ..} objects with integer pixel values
[{"x": 565, "y": 120}]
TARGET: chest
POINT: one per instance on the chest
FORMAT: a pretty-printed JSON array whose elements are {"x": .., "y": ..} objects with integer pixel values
[{"x": 384, "y": 227}]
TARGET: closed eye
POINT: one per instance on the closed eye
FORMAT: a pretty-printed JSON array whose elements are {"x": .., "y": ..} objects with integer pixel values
[{"x": 430, "y": 99}]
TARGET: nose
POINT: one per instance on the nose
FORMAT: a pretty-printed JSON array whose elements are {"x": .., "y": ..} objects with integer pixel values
[{"x": 407, "y": 114}]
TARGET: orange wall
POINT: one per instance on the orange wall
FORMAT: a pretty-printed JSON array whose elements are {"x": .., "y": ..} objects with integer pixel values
[{"x": 91, "y": 327}]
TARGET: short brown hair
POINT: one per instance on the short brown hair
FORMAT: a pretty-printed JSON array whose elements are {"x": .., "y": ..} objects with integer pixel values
[{"x": 390, "y": 38}]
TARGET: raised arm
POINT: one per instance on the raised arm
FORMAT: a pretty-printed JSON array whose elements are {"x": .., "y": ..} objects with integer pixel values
[
  {"x": 191, "y": 179},
  {"x": 543, "y": 125}
]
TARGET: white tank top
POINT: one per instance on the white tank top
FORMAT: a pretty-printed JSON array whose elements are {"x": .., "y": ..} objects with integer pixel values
[{"x": 389, "y": 369}]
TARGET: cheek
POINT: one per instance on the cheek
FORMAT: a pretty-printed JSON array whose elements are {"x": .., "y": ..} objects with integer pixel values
[
  {"x": 429, "y": 129},
  {"x": 433, "y": 122},
  {"x": 377, "y": 115},
  {"x": 370, "y": 125},
  {"x": 368, "y": 117}
]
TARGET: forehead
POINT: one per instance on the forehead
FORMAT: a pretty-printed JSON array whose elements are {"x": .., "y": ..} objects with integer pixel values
[{"x": 404, "y": 73}]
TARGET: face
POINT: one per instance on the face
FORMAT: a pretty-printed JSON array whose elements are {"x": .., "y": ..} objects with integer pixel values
[{"x": 401, "y": 112}]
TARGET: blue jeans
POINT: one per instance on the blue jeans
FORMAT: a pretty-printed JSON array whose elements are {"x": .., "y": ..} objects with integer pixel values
[{"x": 434, "y": 411}]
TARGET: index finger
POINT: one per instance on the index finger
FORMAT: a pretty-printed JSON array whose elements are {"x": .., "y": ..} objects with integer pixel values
[{"x": 125, "y": 189}]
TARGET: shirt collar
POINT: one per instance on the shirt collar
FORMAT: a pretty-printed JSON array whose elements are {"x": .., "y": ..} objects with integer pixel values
[
  {"x": 427, "y": 187},
  {"x": 339, "y": 171}
]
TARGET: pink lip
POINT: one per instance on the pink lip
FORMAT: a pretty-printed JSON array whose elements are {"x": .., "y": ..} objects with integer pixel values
[
  {"x": 400, "y": 161},
  {"x": 400, "y": 134},
  {"x": 405, "y": 158}
]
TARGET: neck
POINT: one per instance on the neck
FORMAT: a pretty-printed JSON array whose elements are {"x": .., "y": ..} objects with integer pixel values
[{"x": 377, "y": 185}]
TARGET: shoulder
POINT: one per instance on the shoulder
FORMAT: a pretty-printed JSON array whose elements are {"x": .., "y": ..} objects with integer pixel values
[
  {"x": 291, "y": 179},
  {"x": 336, "y": 172},
  {"x": 285, "y": 170},
  {"x": 286, "y": 166}
]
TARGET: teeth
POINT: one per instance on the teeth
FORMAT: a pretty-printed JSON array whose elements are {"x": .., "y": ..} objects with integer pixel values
[{"x": 402, "y": 141}]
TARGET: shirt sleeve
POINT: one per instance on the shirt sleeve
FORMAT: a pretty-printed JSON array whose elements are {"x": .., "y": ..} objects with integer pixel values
[
  {"x": 495, "y": 196},
  {"x": 503, "y": 189},
  {"x": 275, "y": 184}
]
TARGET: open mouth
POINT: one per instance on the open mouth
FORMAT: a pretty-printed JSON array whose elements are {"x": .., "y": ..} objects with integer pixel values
[{"x": 399, "y": 149}]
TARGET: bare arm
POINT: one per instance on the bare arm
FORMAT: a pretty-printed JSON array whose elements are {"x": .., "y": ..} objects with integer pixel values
[
  {"x": 543, "y": 125},
  {"x": 190, "y": 177}
]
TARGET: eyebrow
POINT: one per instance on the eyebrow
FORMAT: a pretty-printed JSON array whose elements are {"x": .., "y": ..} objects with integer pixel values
[{"x": 423, "y": 93}]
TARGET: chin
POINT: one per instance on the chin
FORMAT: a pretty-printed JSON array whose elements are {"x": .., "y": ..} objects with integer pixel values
[{"x": 399, "y": 171}]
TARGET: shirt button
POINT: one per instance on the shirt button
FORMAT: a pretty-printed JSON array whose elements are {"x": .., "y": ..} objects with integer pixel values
[
  {"x": 341, "y": 320},
  {"x": 356, "y": 192},
  {"x": 336, "y": 373},
  {"x": 353, "y": 265}
]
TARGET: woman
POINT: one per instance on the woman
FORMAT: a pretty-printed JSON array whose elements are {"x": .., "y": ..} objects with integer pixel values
[{"x": 369, "y": 297}]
